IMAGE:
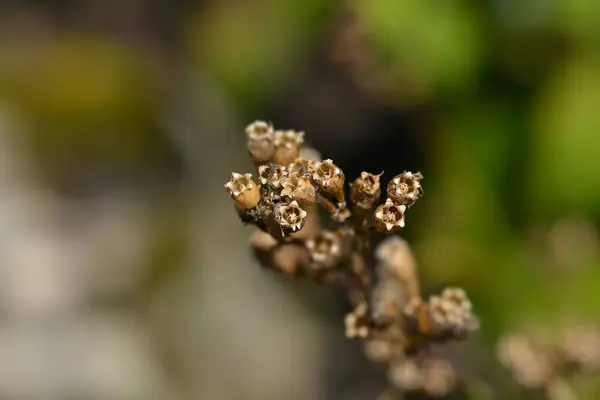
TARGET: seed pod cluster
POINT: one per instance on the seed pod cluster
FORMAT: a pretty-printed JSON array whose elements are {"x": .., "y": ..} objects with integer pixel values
[{"x": 397, "y": 326}]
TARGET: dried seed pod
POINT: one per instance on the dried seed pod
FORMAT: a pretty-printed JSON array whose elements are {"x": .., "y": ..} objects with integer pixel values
[
  {"x": 378, "y": 350},
  {"x": 405, "y": 375},
  {"x": 388, "y": 298},
  {"x": 290, "y": 217},
  {"x": 243, "y": 191},
  {"x": 397, "y": 260},
  {"x": 300, "y": 189},
  {"x": 580, "y": 347},
  {"x": 365, "y": 190},
  {"x": 272, "y": 175},
  {"x": 356, "y": 322},
  {"x": 529, "y": 366},
  {"x": 325, "y": 250},
  {"x": 389, "y": 217},
  {"x": 260, "y": 143},
  {"x": 287, "y": 146},
  {"x": 329, "y": 178},
  {"x": 302, "y": 167},
  {"x": 439, "y": 377},
  {"x": 405, "y": 188}
]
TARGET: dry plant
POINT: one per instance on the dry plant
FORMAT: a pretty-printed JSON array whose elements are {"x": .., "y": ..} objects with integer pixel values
[
  {"x": 396, "y": 324},
  {"x": 549, "y": 365}
]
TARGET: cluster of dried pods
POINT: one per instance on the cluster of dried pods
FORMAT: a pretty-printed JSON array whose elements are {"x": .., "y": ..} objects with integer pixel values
[
  {"x": 396, "y": 324},
  {"x": 548, "y": 364}
]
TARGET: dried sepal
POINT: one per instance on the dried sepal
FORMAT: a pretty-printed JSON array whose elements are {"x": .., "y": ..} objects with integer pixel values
[
  {"x": 325, "y": 250},
  {"x": 290, "y": 217},
  {"x": 389, "y": 217},
  {"x": 405, "y": 188},
  {"x": 300, "y": 189},
  {"x": 243, "y": 190},
  {"x": 287, "y": 146},
  {"x": 365, "y": 190},
  {"x": 260, "y": 143},
  {"x": 272, "y": 175}
]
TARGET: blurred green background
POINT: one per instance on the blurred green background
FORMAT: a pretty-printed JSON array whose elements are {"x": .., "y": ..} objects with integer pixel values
[{"x": 122, "y": 262}]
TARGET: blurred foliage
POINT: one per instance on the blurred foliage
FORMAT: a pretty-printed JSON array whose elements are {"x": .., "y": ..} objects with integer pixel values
[{"x": 514, "y": 89}]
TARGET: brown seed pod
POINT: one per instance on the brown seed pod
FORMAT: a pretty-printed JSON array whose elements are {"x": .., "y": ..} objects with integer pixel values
[
  {"x": 389, "y": 217},
  {"x": 300, "y": 189},
  {"x": 405, "y": 188},
  {"x": 243, "y": 191},
  {"x": 287, "y": 146}
]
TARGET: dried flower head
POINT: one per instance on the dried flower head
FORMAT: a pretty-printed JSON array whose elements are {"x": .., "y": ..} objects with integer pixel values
[
  {"x": 405, "y": 188},
  {"x": 389, "y": 217},
  {"x": 325, "y": 249},
  {"x": 329, "y": 177},
  {"x": 451, "y": 313},
  {"x": 302, "y": 167},
  {"x": 243, "y": 190},
  {"x": 300, "y": 189},
  {"x": 260, "y": 141},
  {"x": 271, "y": 175},
  {"x": 365, "y": 190},
  {"x": 290, "y": 217},
  {"x": 287, "y": 146}
]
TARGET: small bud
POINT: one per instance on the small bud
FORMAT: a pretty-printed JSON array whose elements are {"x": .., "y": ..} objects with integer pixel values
[
  {"x": 330, "y": 179},
  {"x": 243, "y": 191},
  {"x": 325, "y": 249},
  {"x": 389, "y": 217},
  {"x": 405, "y": 188},
  {"x": 272, "y": 175},
  {"x": 365, "y": 190},
  {"x": 302, "y": 167},
  {"x": 260, "y": 142},
  {"x": 287, "y": 146},
  {"x": 290, "y": 217},
  {"x": 300, "y": 189}
]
